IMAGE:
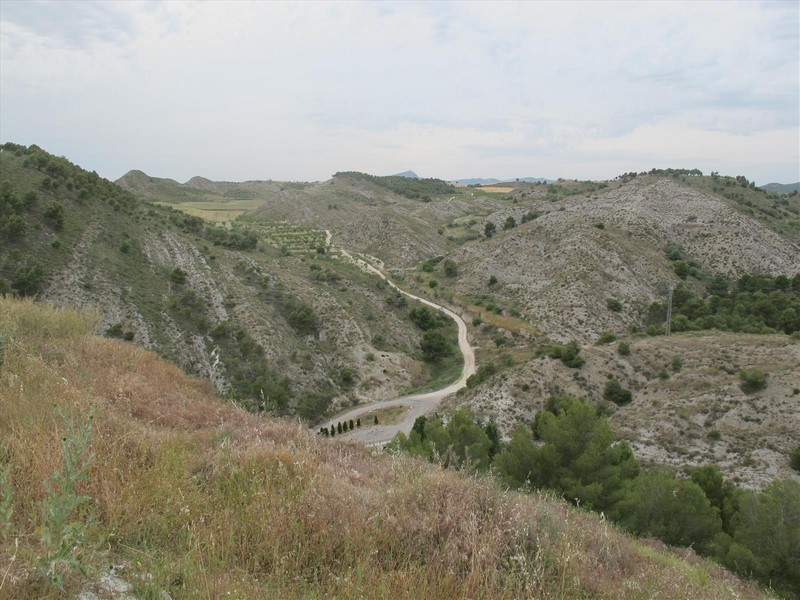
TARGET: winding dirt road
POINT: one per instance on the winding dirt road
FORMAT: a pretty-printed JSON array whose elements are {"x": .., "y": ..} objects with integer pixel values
[{"x": 418, "y": 404}]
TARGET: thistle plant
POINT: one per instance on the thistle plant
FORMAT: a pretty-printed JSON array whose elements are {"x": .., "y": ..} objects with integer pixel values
[{"x": 66, "y": 518}]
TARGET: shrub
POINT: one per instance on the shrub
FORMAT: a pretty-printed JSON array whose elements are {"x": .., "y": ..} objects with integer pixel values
[
  {"x": 29, "y": 278},
  {"x": 492, "y": 280},
  {"x": 624, "y": 349},
  {"x": 450, "y": 268},
  {"x": 752, "y": 380},
  {"x": 178, "y": 276},
  {"x": 303, "y": 319},
  {"x": 614, "y": 392},
  {"x": 435, "y": 346},
  {"x": 423, "y": 317},
  {"x": 490, "y": 229},
  {"x": 677, "y": 363},
  {"x": 570, "y": 355},
  {"x": 54, "y": 214},
  {"x": 606, "y": 337},
  {"x": 614, "y": 305},
  {"x": 347, "y": 376},
  {"x": 794, "y": 459}
]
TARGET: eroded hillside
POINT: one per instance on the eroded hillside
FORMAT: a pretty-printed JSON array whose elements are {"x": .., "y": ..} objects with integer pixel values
[
  {"x": 562, "y": 267},
  {"x": 285, "y": 329}
]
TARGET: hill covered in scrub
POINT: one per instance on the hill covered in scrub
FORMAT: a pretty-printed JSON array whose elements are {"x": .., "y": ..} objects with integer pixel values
[
  {"x": 263, "y": 311},
  {"x": 592, "y": 262},
  {"x": 564, "y": 285},
  {"x": 194, "y": 497}
]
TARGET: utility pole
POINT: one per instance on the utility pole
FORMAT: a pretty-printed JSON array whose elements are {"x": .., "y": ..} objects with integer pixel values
[{"x": 669, "y": 311}]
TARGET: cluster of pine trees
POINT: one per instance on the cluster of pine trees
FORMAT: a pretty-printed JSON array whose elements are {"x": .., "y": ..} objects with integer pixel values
[
  {"x": 751, "y": 304},
  {"x": 570, "y": 448}
]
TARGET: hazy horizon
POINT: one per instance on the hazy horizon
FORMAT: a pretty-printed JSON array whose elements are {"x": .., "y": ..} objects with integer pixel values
[{"x": 297, "y": 91}]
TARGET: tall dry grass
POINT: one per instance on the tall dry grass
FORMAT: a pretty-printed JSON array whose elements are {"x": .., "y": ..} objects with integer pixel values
[{"x": 210, "y": 500}]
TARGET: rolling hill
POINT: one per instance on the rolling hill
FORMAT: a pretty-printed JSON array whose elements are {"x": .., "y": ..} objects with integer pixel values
[
  {"x": 572, "y": 260},
  {"x": 265, "y": 312},
  {"x": 184, "y": 495},
  {"x": 584, "y": 259}
]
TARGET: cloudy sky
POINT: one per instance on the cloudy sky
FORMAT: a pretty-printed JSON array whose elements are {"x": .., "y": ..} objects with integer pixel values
[{"x": 298, "y": 91}]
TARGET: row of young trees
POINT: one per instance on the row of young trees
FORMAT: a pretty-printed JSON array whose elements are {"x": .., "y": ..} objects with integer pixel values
[
  {"x": 343, "y": 427},
  {"x": 571, "y": 449}
]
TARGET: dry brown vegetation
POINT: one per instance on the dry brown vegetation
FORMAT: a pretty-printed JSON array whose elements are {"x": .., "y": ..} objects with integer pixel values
[{"x": 211, "y": 500}]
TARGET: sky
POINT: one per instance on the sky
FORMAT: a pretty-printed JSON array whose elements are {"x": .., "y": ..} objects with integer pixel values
[{"x": 298, "y": 91}]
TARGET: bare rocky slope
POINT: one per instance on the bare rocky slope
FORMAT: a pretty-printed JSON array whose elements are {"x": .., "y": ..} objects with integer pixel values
[{"x": 562, "y": 267}]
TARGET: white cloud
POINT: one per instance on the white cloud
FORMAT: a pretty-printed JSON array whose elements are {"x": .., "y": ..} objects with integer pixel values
[{"x": 240, "y": 90}]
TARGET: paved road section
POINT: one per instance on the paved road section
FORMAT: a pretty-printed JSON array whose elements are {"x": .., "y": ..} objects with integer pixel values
[{"x": 419, "y": 404}]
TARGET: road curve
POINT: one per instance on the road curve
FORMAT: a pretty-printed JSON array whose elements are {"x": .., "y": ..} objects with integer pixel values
[{"x": 418, "y": 404}]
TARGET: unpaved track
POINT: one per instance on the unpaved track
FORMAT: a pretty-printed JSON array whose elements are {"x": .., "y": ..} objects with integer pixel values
[{"x": 419, "y": 404}]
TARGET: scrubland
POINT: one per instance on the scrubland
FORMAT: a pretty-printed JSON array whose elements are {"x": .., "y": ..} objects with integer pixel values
[{"x": 195, "y": 497}]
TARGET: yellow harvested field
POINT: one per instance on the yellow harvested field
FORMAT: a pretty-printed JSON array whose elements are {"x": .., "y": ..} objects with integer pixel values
[
  {"x": 216, "y": 212},
  {"x": 496, "y": 189}
]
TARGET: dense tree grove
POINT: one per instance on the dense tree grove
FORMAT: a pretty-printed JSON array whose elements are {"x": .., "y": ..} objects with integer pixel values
[
  {"x": 751, "y": 304},
  {"x": 422, "y": 189},
  {"x": 570, "y": 449}
]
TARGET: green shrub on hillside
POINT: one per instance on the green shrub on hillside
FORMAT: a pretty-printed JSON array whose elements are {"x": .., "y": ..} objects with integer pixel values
[
  {"x": 794, "y": 457},
  {"x": 54, "y": 214},
  {"x": 569, "y": 353},
  {"x": 606, "y": 337},
  {"x": 28, "y": 278},
  {"x": 752, "y": 380},
  {"x": 614, "y": 392}
]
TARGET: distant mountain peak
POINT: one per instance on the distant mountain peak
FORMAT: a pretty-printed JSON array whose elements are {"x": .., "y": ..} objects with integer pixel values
[{"x": 409, "y": 174}]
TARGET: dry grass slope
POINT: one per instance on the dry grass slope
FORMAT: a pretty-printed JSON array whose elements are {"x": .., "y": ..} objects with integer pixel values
[{"x": 210, "y": 500}]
